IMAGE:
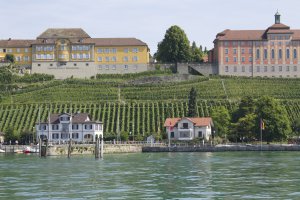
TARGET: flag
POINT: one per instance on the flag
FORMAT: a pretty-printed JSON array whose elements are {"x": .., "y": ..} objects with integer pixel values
[{"x": 262, "y": 124}]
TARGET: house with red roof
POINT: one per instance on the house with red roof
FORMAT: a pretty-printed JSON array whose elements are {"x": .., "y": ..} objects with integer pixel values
[
  {"x": 187, "y": 128},
  {"x": 60, "y": 128}
]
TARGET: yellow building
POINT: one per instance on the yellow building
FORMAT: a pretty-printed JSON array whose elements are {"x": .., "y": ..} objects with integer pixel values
[{"x": 72, "y": 52}]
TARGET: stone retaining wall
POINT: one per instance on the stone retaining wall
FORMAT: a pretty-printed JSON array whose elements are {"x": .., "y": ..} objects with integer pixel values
[
  {"x": 224, "y": 148},
  {"x": 90, "y": 149}
]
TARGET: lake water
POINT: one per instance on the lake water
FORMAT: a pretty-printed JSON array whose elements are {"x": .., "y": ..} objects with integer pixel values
[{"x": 220, "y": 175}]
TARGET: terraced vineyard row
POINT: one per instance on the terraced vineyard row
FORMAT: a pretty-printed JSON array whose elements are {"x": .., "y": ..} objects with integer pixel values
[
  {"x": 139, "y": 118},
  {"x": 207, "y": 89}
]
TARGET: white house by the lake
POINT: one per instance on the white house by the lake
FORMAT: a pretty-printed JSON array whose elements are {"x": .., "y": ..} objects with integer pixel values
[
  {"x": 189, "y": 128},
  {"x": 62, "y": 127}
]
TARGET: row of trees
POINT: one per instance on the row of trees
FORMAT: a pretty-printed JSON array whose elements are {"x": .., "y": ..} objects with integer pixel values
[
  {"x": 245, "y": 122},
  {"x": 175, "y": 47}
]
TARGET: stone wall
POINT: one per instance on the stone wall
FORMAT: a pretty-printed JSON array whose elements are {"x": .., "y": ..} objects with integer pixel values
[
  {"x": 90, "y": 149},
  {"x": 223, "y": 148}
]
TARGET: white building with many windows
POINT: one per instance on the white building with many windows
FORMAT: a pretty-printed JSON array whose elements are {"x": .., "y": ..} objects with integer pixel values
[
  {"x": 63, "y": 127},
  {"x": 189, "y": 128}
]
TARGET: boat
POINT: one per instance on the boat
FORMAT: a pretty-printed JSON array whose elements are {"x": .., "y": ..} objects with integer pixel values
[
  {"x": 29, "y": 149},
  {"x": 2, "y": 151}
]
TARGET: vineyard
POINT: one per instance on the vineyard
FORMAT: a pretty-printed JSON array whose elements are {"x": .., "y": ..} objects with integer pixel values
[{"x": 137, "y": 108}]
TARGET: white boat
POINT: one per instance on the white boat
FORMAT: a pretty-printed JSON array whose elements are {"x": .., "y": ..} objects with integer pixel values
[
  {"x": 29, "y": 149},
  {"x": 2, "y": 151}
]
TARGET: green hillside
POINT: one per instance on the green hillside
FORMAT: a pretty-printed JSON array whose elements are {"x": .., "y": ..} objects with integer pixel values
[{"x": 139, "y": 102}]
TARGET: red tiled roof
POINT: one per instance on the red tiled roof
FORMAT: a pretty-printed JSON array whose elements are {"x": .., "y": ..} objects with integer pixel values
[
  {"x": 279, "y": 26},
  {"x": 198, "y": 121},
  {"x": 118, "y": 42}
]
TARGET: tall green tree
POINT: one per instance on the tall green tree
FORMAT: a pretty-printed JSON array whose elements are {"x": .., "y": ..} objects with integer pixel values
[
  {"x": 175, "y": 47},
  {"x": 192, "y": 103},
  {"x": 196, "y": 55},
  {"x": 275, "y": 118},
  {"x": 221, "y": 119}
]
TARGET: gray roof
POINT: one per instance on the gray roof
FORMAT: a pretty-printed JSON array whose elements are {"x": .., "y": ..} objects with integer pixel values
[
  {"x": 77, "y": 118},
  {"x": 63, "y": 33}
]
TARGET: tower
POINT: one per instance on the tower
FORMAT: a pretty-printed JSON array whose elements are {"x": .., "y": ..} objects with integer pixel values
[{"x": 277, "y": 18}]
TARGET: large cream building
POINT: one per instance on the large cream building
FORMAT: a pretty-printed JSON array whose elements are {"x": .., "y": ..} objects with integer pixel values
[{"x": 72, "y": 52}]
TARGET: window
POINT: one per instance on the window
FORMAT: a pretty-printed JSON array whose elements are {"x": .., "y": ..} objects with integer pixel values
[
  {"x": 26, "y": 58},
  {"x": 75, "y": 135},
  {"x": 273, "y": 69},
  {"x": 287, "y": 68},
  {"x": 226, "y": 59},
  {"x": 114, "y": 50},
  {"x": 265, "y": 53},
  {"x": 88, "y": 126},
  {"x": 135, "y": 58},
  {"x": 9, "y": 50},
  {"x": 234, "y": 59},
  {"x": 125, "y": 58},
  {"x": 65, "y": 136},
  {"x": 55, "y": 136},
  {"x": 243, "y": 68},
  {"x": 273, "y": 53},
  {"x": 99, "y": 50},
  {"x": 226, "y": 69},
  {"x": 185, "y": 134},
  {"x": 107, "y": 67},
  {"x": 107, "y": 50},
  {"x": 99, "y": 59},
  {"x": 18, "y": 50},
  {"x": 287, "y": 53},
  {"x": 250, "y": 59},
  {"x": 200, "y": 134},
  {"x": 295, "y": 53},
  {"x": 250, "y": 51},
  {"x": 265, "y": 68},
  {"x": 257, "y": 53},
  {"x": 172, "y": 135},
  {"x": 99, "y": 66},
  {"x": 185, "y": 125},
  {"x": 26, "y": 50},
  {"x": 55, "y": 127},
  {"x": 234, "y": 69},
  {"x": 135, "y": 50},
  {"x": 226, "y": 44},
  {"x": 279, "y": 54},
  {"x": 75, "y": 126},
  {"x": 107, "y": 59},
  {"x": 243, "y": 51},
  {"x": 250, "y": 68},
  {"x": 280, "y": 68},
  {"x": 114, "y": 59},
  {"x": 226, "y": 51},
  {"x": 258, "y": 68},
  {"x": 295, "y": 68},
  {"x": 126, "y": 67},
  {"x": 243, "y": 59},
  {"x": 234, "y": 44},
  {"x": 126, "y": 50},
  {"x": 234, "y": 51},
  {"x": 114, "y": 67}
]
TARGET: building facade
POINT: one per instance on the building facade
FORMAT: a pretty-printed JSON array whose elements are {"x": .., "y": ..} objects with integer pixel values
[
  {"x": 60, "y": 128},
  {"x": 189, "y": 128},
  {"x": 72, "y": 52},
  {"x": 273, "y": 52}
]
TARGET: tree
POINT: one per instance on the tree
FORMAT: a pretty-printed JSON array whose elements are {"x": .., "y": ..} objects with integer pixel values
[
  {"x": 10, "y": 135},
  {"x": 221, "y": 119},
  {"x": 10, "y": 58},
  {"x": 192, "y": 103},
  {"x": 196, "y": 55},
  {"x": 246, "y": 127},
  {"x": 175, "y": 47},
  {"x": 275, "y": 118},
  {"x": 246, "y": 106}
]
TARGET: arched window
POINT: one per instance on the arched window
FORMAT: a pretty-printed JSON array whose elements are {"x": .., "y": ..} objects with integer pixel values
[{"x": 295, "y": 53}]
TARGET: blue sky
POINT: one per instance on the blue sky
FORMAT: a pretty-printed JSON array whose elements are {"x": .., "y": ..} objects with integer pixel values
[{"x": 147, "y": 20}]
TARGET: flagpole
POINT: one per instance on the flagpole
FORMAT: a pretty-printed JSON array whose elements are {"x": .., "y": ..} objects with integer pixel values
[{"x": 261, "y": 124}]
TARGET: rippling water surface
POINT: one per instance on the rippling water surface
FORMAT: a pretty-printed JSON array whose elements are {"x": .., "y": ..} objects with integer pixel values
[{"x": 227, "y": 175}]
